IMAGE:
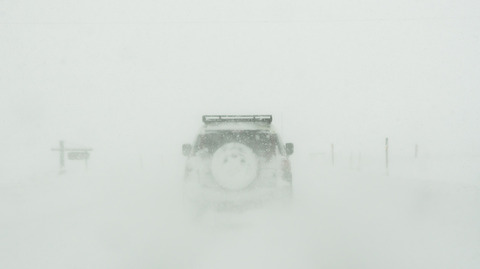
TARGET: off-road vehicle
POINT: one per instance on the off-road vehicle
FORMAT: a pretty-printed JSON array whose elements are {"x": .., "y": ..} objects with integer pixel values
[{"x": 237, "y": 162}]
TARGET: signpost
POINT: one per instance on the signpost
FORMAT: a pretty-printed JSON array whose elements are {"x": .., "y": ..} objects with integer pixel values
[{"x": 73, "y": 155}]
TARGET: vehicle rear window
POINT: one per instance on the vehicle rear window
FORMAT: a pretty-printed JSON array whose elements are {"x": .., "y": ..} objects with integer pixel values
[{"x": 262, "y": 143}]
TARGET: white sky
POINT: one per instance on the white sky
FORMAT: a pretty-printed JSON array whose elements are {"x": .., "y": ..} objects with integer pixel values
[{"x": 139, "y": 74}]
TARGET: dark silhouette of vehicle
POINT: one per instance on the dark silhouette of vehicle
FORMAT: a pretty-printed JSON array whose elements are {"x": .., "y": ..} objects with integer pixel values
[{"x": 237, "y": 162}]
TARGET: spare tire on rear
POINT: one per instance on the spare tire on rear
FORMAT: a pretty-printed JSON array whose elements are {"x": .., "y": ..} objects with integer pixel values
[{"x": 234, "y": 166}]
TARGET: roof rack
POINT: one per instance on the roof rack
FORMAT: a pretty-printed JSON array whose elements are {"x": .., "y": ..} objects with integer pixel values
[{"x": 244, "y": 118}]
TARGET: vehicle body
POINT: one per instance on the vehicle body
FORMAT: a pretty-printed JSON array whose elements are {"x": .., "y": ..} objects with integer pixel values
[{"x": 237, "y": 162}]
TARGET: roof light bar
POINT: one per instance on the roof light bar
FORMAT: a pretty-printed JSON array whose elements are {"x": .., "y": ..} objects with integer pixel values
[{"x": 243, "y": 118}]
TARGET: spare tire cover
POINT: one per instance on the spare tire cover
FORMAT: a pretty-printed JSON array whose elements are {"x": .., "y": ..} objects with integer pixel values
[{"x": 234, "y": 166}]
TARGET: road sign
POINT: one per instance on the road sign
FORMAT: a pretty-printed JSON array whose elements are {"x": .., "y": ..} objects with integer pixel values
[
  {"x": 80, "y": 155},
  {"x": 72, "y": 154}
]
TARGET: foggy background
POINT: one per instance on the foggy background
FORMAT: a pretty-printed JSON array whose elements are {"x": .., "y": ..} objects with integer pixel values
[{"x": 131, "y": 79}]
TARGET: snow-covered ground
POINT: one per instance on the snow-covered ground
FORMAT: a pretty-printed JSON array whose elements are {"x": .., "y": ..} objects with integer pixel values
[{"x": 423, "y": 217}]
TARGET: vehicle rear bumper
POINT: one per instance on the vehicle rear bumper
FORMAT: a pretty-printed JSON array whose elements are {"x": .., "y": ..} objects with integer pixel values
[{"x": 237, "y": 200}]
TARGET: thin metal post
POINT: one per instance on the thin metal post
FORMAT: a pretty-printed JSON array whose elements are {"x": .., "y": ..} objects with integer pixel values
[
  {"x": 359, "y": 160},
  {"x": 62, "y": 155},
  {"x": 86, "y": 160},
  {"x": 351, "y": 160},
  {"x": 333, "y": 155},
  {"x": 386, "y": 154}
]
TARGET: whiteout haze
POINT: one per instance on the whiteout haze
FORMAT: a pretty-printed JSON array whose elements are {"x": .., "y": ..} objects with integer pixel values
[{"x": 131, "y": 79}]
